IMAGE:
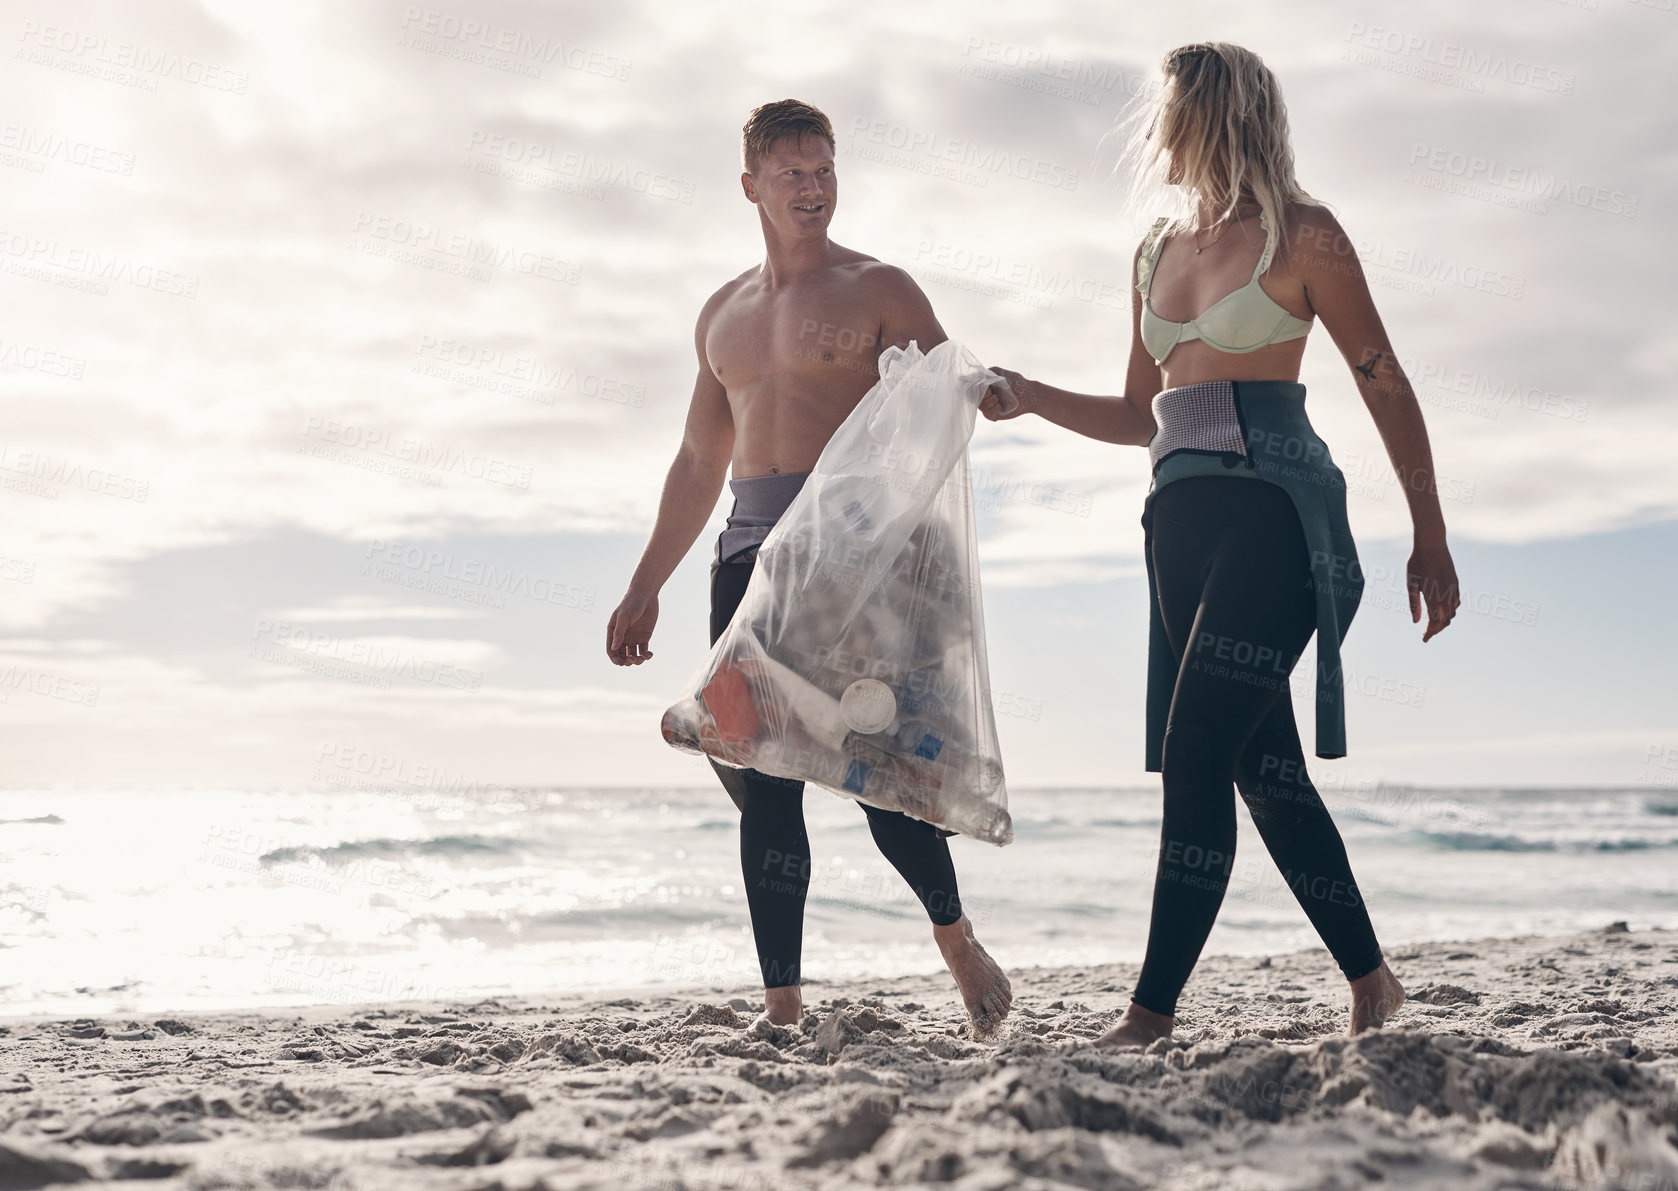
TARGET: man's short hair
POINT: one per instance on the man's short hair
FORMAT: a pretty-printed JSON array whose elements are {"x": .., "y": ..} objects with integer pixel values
[{"x": 773, "y": 121}]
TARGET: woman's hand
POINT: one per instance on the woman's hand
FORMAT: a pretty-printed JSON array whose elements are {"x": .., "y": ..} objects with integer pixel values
[
  {"x": 1432, "y": 578},
  {"x": 997, "y": 405}
]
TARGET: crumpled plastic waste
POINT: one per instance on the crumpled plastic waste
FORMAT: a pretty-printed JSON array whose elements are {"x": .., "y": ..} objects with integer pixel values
[{"x": 856, "y": 659}]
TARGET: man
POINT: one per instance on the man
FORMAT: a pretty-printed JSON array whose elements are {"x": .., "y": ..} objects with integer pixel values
[{"x": 786, "y": 351}]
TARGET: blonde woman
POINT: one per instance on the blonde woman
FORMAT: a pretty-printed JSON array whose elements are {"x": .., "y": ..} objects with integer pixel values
[{"x": 1248, "y": 551}]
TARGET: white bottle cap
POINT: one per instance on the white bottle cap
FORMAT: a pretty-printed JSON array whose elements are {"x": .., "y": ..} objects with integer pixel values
[{"x": 868, "y": 705}]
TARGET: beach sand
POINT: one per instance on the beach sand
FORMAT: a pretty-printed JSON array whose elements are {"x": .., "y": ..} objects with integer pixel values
[{"x": 1530, "y": 1062}]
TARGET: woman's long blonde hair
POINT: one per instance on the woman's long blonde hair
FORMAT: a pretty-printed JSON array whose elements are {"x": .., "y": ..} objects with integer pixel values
[{"x": 1219, "y": 111}]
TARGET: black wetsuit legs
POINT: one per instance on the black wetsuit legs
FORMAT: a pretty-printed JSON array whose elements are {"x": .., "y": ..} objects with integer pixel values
[
  {"x": 775, "y": 847},
  {"x": 1235, "y": 590}
]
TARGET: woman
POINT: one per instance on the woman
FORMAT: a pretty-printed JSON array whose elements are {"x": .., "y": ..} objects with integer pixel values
[{"x": 1247, "y": 548}]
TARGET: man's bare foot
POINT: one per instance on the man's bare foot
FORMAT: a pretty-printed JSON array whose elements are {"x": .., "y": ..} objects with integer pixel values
[
  {"x": 984, "y": 986},
  {"x": 1136, "y": 1029},
  {"x": 1375, "y": 998},
  {"x": 783, "y": 1006}
]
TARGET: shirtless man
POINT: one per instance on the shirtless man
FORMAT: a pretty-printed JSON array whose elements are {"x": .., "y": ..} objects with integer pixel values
[{"x": 786, "y": 351}]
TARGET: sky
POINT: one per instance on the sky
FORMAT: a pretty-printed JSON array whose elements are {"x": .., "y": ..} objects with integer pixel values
[{"x": 346, "y": 346}]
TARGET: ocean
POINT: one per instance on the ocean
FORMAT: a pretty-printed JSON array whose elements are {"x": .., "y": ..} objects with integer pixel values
[{"x": 130, "y": 901}]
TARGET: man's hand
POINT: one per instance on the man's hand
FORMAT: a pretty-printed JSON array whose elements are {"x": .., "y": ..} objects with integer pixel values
[
  {"x": 1007, "y": 399},
  {"x": 631, "y": 628},
  {"x": 1432, "y": 577}
]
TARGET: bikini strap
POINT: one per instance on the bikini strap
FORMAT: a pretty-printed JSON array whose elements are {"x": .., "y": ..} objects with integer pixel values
[
  {"x": 1269, "y": 246},
  {"x": 1150, "y": 253}
]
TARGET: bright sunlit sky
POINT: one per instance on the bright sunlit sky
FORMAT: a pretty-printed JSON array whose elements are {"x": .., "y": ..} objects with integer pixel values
[{"x": 273, "y": 442}]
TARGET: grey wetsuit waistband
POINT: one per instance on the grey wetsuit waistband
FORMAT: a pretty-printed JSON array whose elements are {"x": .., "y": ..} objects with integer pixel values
[
  {"x": 759, "y": 502},
  {"x": 1208, "y": 417}
]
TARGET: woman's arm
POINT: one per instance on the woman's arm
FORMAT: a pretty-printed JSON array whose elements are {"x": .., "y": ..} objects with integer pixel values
[
  {"x": 1338, "y": 293},
  {"x": 1126, "y": 419}
]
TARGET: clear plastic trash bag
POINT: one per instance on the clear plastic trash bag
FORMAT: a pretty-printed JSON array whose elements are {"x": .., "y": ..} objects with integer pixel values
[{"x": 856, "y": 659}]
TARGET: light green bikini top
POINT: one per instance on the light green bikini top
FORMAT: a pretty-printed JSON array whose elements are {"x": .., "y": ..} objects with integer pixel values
[{"x": 1243, "y": 321}]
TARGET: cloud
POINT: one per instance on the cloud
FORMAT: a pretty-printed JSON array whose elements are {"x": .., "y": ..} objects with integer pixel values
[
  {"x": 369, "y": 608},
  {"x": 401, "y": 284}
]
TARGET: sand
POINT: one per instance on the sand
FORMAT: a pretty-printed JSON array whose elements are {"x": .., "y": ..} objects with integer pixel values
[{"x": 1517, "y": 1063}]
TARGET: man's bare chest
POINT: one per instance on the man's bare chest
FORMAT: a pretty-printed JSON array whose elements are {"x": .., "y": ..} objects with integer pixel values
[{"x": 819, "y": 336}]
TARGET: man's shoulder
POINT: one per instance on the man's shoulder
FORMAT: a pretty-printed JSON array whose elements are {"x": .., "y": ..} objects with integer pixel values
[
  {"x": 884, "y": 279},
  {"x": 727, "y": 290}
]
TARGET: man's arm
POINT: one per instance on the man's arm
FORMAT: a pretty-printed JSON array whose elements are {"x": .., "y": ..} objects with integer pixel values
[
  {"x": 1126, "y": 419},
  {"x": 1339, "y": 294},
  {"x": 691, "y": 488},
  {"x": 908, "y": 316},
  {"x": 905, "y": 312}
]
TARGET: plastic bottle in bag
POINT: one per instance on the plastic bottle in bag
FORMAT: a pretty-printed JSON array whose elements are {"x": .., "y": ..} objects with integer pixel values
[{"x": 856, "y": 658}]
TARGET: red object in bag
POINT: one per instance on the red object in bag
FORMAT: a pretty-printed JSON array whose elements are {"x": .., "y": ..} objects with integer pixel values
[{"x": 729, "y": 701}]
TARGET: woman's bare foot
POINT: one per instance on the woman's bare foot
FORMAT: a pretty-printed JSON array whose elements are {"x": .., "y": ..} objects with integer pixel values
[
  {"x": 984, "y": 986},
  {"x": 1375, "y": 998},
  {"x": 783, "y": 1006},
  {"x": 1136, "y": 1029}
]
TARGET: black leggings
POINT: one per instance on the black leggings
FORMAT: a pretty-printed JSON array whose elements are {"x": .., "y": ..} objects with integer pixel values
[
  {"x": 1238, "y": 602},
  {"x": 775, "y": 849}
]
